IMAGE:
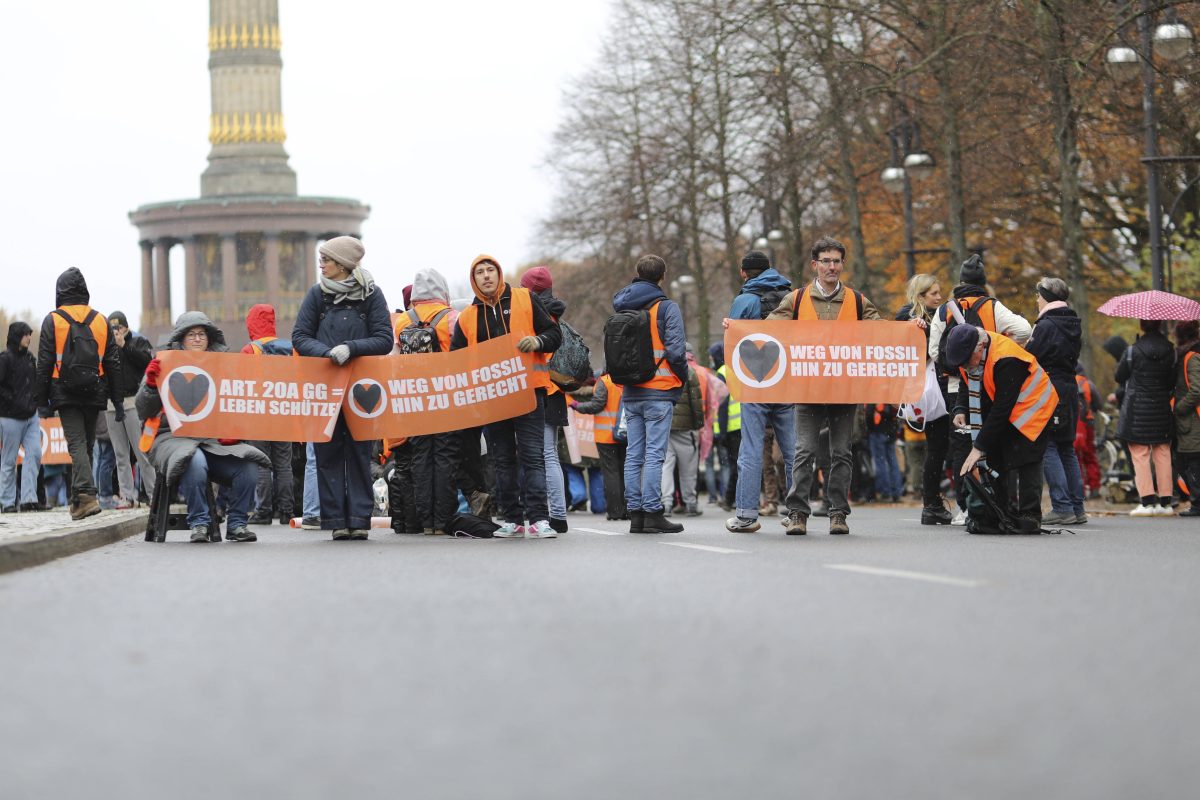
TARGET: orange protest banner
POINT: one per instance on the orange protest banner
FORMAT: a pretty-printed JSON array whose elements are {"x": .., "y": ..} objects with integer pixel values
[
  {"x": 411, "y": 395},
  {"x": 785, "y": 361},
  {"x": 54, "y": 444},
  {"x": 252, "y": 397}
]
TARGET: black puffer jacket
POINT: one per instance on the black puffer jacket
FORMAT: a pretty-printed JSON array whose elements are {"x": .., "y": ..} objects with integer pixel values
[
  {"x": 1147, "y": 371},
  {"x": 72, "y": 290},
  {"x": 17, "y": 370},
  {"x": 1056, "y": 341}
]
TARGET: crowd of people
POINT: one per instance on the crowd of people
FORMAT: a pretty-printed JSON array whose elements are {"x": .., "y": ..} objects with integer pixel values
[{"x": 1017, "y": 404}]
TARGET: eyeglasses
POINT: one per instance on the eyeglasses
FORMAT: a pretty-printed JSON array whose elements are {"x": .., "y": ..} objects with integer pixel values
[
  {"x": 195, "y": 335},
  {"x": 829, "y": 262},
  {"x": 326, "y": 260}
]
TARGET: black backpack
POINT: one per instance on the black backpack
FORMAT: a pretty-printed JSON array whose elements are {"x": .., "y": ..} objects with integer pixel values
[
  {"x": 79, "y": 364},
  {"x": 469, "y": 526},
  {"x": 988, "y": 511},
  {"x": 971, "y": 316},
  {"x": 768, "y": 299},
  {"x": 421, "y": 337},
  {"x": 628, "y": 349}
]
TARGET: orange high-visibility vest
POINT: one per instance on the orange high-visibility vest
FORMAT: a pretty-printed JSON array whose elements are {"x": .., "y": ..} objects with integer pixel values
[
  {"x": 664, "y": 378},
  {"x": 520, "y": 322},
  {"x": 1085, "y": 391},
  {"x": 803, "y": 308},
  {"x": 1037, "y": 400},
  {"x": 606, "y": 420},
  {"x": 62, "y": 329},
  {"x": 149, "y": 431}
]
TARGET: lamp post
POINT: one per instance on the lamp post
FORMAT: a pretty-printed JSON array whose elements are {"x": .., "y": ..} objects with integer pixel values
[
  {"x": 679, "y": 288},
  {"x": 768, "y": 242},
  {"x": 908, "y": 161},
  {"x": 1174, "y": 40}
]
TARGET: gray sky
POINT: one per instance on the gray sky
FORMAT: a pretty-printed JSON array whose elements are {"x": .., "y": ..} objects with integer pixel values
[{"x": 437, "y": 115}]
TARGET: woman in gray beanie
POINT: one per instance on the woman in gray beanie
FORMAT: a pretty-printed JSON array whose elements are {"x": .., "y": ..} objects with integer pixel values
[{"x": 344, "y": 316}]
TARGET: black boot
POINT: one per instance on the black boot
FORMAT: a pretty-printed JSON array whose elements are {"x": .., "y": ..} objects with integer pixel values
[
  {"x": 935, "y": 515},
  {"x": 635, "y": 522},
  {"x": 657, "y": 522}
]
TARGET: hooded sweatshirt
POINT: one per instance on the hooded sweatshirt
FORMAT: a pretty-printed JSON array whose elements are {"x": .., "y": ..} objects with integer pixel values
[
  {"x": 492, "y": 314},
  {"x": 17, "y": 371},
  {"x": 748, "y": 305},
  {"x": 642, "y": 294},
  {"x": 430, "y": 294},
  {"x": 260, "y": 324},
  {"x": 71, "y": 290}
]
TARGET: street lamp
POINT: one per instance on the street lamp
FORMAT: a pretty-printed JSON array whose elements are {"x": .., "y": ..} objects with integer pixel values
[
  {"x": 679, "y": 288},
  {"x": 1174, "y": 40},
  {"x": 908, "y": 161}
]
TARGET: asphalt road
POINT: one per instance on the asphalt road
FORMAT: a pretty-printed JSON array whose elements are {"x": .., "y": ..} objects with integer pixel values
[{"x": 899, "y": 661}]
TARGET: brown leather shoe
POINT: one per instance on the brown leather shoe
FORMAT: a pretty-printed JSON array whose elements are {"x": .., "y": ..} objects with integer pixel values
[
  {"x": 837, "y": 524},
  {"x": 86, "y": 507}
]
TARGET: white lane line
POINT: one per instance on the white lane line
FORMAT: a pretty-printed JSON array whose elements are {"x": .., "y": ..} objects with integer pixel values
[
  {"x": 704, "y": 547},
  {"x": 597, "y": 530},
  {"x": 946, "y": 580}
]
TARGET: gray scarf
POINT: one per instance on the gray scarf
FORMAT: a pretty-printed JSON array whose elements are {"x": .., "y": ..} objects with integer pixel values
[{"x": 359, "y": 285}]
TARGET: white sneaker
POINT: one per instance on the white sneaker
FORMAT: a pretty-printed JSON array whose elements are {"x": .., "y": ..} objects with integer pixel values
[
  {"x": 960, "y": 518},
  {"x": 510, "y": 530},
  {"x": 1143, "y": 511},
  {"x": 1164, "y": 511},
  {"x": 540, "y": 530}
]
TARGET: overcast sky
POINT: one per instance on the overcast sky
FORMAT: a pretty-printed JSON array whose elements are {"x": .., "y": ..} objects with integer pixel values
[{"x": 438, "y": 115}]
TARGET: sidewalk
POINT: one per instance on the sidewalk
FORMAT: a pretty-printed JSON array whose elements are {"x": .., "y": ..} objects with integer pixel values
[{"x": 35, "y": 537}]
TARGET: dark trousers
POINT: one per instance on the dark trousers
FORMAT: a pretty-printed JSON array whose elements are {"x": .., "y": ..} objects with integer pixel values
[
  {"x": 402, "y": 501},
  {"x": 960, "y": 448},
  {"x": 274, "y": 489},
  {"x": 612, "y": 463},
  {"x": 79, "y": 426},
  {"x": 344, "y": 480},
  {"x": 733, "y": 446},
  {"x": 1189, "y": 468},
  {"x": 434, "y": 463},
  {"x": 937, "y": 444},
  {"x": 1024, "y": 487},
  {"x": 520, "y": 441},
  {"x": 471, "y": 475}
]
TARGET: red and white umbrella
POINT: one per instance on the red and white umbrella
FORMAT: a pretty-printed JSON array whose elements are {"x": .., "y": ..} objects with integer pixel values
[{"x": 1152, "y": 305}]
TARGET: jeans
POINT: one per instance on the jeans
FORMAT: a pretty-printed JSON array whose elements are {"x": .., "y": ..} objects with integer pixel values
[
  {"x": 683, "y": 449},
  {"x": 125, "y": 437},
  {"x": 204, "y": 467},
  {"x": 649, "y": 427},
  {"x": 810, "y": 418},
  {"x": 103, "y": 462},
  {"x": 755, "y": 417},
  {"x": 344, "y": 480},
  {"x": 733, "y": 446},
  {"x": 576, "y": 489},
  {"x": 79, "y": 428},
  {"x": 595, "y": 481},
  {"x": 312, "y": 496},
  {"x": 1060, "y": 466},
  {"x": 556, "y": 497},
  {"x": 888, "y": 480},
  {"x": 520, "y": 440},
  {"x": 713, "y": 482},
  {"x": 16, "y": 433}
]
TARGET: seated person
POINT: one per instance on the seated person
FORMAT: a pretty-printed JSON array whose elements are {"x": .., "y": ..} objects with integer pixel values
[{"x": 188, "y": 462}]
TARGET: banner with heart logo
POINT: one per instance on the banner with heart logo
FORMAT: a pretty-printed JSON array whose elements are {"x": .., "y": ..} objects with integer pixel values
[
  {"x": 282, "y": 399},
  {"x": 54, "y": 444},
  {"x": 786, "y": 361}
]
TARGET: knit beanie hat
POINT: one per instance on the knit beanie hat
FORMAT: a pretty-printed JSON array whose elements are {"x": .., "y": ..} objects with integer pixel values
[
  {"x": 345, "y": 250},
  {"x": 407, "y": 291},
  {"x": 537, "y": 280},
  {"x": 972, "y": 271},
  {"x": 755, "y": 262}
]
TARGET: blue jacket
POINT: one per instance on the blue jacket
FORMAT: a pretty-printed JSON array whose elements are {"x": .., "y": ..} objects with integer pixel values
[
  {"x": 746, "y": 305},
  {"x": 642, "y": 294},
  {"x": 320, "y": 325}
]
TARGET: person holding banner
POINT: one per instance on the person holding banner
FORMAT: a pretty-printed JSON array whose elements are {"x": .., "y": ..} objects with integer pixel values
[
  {"x": 191, "y": 463},
  {"x": 1012, "y": 407},
  {"x": 343, "y": 317},
  {"x": 826, "y": 298},
  {"x": 497, "y": 310}
]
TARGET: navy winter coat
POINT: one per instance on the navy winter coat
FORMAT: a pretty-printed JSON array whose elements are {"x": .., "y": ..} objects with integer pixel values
[
  {"x": 1147, "y": 371},
  {"x": 1056, "y": 341},
  {"x": 365, "y": 326}
]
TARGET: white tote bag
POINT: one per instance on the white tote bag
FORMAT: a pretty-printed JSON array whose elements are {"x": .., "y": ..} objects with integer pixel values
[{"x": 931, "y": 406}]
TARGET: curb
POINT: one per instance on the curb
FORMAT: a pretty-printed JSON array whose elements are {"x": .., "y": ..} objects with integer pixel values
[{"x": 40, "y": 548}]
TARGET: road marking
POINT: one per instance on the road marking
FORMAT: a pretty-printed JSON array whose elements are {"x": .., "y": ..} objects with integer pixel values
[
  {"x": 597, "y": 530},
  {"x": 705, "y": 547},
  {"x": 946, "y": 580}
]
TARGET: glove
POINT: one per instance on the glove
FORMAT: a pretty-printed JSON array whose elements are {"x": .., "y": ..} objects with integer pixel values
[
  {"x": 228, "y": 442},
  {"x": 153, "y": 370},
  {"x": 119, "y": 414},
  {"x": 529, "y": 344},
  {"x": 340, "y": 354}
]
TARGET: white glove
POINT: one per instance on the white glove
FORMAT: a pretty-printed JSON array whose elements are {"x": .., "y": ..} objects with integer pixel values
[{"x": 340, "y": 354}]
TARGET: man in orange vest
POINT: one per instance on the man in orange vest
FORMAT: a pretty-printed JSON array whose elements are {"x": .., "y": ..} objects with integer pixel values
[
  {"x": 826, "y": 298},
  {"x": 649, "y": 406},
  {"x": 500, "y": 309},
  {"x": 1014, "y": 404},
  {"x": 73, "y": 329}
]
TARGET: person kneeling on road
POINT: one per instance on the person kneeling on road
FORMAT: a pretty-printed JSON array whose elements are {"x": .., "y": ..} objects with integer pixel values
[{"x": 191, "y": 463}]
